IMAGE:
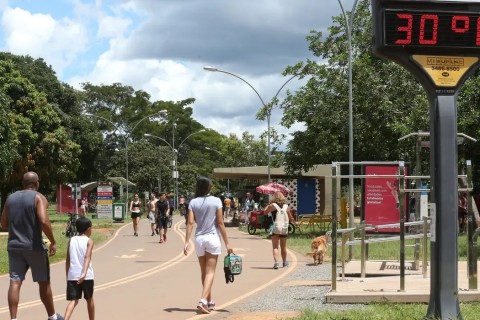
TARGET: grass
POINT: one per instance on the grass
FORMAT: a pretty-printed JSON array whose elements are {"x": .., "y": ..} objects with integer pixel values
[
  {"x": 300, "y": 242},
  {"x": 102, "y": 230},
  {"x": 388, "y": 311},
  {"x": 377, "y": 251}
]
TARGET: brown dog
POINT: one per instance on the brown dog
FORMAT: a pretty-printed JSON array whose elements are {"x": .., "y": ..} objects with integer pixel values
[{"x": 319, "y": 248}]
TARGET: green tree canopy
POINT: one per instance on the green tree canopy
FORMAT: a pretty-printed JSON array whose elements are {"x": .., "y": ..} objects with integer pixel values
[
  {"x": 39, "y": 142},
  {"x": 382, "y": 112}
]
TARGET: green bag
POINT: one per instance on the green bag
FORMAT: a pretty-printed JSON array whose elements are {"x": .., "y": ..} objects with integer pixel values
[{"x": 232, "y": 265}]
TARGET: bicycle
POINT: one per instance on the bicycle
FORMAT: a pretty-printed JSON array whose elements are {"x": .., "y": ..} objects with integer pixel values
[{"x": 71, "y": 229}]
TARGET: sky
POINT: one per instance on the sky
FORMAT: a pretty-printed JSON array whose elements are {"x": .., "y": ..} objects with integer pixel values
[{"x": 161, "y": 47}]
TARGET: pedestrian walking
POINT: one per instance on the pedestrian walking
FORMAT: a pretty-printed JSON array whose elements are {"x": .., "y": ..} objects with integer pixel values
[
  {"x": 163, "y": 212},
  {"x": 135, "y": 210},
  {"x": 278, "y": 205},
  {"x": 79, "y": 269},
  {"x": 228, "y": 203},
  {"x": 249, "y": 203},
  {"x": 206, "y": 211},
  {"x": 84, "y": 205},
  {"x": 152, "y": 209},
  {"x": 25, "y": 215}
]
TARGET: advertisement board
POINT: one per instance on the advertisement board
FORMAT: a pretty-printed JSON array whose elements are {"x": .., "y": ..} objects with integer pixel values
[
  {"x": 381, "y": 197},
  {"x": 104, "y": 200}
]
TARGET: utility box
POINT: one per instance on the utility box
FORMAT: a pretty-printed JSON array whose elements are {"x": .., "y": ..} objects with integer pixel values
[{"x": 119, "y": 211}]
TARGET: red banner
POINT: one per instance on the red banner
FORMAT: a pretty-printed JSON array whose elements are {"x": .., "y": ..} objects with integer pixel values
[{"x": 381, "y": 197}]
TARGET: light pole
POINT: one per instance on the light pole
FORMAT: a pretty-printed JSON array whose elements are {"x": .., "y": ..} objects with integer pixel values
[
  {"x": 268, "y": 107},
  {"x": 348, "y": 27},
  {"x": 175, "y": 174},
  {"x": 127, "y": 136}
]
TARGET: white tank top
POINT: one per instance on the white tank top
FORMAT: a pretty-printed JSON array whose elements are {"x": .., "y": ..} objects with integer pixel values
[{"x": 77, "y": 251}]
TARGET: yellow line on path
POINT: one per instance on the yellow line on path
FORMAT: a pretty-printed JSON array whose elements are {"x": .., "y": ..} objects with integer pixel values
[
  {"x": 177, "y": 259},
  {"x": 292, "y": 266}
]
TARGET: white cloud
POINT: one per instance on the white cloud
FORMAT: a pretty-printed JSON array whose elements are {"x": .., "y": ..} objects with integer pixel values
[
  {"x": 58, "y": 42},
  {"x": 111, "y": 27},
  {"x": 160, "y": 46}
]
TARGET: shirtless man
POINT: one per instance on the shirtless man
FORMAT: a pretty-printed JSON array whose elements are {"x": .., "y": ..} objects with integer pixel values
[{"x": 152, "y": 213}]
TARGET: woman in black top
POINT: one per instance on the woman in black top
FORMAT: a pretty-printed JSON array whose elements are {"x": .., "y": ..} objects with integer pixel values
[{"x": 135, "y": 209}]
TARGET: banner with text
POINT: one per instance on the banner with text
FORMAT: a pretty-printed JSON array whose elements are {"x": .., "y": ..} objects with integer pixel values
[
  {"x": 381, "y": 197},
  {"x": 104, "y": 200}
]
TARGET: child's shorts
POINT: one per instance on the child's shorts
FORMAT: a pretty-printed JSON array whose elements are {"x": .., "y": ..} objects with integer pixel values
[{"x": 74, "y": 290}]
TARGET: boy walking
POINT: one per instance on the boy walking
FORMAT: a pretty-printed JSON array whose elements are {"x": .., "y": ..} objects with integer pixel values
[{"x": 79, "y": 269}]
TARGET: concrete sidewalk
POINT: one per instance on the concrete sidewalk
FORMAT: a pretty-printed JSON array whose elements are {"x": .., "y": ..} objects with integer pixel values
[
  {"x": 382, "y": 284},
  {"x": 138, "y": 277}
]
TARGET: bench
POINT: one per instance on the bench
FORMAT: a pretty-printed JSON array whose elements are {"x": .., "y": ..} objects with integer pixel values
[{"x": 314, "y": 221}]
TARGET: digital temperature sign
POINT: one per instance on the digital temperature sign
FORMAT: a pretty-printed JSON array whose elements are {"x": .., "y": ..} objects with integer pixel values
[
  {"x": 420, "y": 27},
  {"x": 438, "y": 41},
  {"x": 432, "y": 29}
]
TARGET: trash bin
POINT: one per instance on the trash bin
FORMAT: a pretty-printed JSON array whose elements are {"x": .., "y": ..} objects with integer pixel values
[{"x": 119, "y": 211}]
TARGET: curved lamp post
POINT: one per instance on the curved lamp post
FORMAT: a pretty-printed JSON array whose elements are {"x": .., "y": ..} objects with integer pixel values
[
  {"x": 348, "y": 26},
  {"x": 126, "y": 136},
  {"x": 267, "y": 107},
  {"x": 175, "y": 175}
]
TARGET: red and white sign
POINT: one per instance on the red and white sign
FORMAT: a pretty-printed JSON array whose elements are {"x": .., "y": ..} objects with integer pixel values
[
  {"x": 381, "y": 197},
  {"x": 104, "y": 200}
]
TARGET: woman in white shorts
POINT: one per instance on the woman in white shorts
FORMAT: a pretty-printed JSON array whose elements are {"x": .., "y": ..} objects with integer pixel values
[{"x": 206, "y": 211}]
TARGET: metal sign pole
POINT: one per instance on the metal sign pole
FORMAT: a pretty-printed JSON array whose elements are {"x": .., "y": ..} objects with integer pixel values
[
  {"x": 443, "y": 169},
  {"x": 423, "y": 36}
]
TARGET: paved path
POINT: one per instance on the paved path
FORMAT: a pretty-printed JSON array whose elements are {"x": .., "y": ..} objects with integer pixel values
[{"x": 136, "y": 277}]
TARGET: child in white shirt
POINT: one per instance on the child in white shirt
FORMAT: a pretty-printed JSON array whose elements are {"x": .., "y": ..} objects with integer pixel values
[{"x": 79, "y": 268}]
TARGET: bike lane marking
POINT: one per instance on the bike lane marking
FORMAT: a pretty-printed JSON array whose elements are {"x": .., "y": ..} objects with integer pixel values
[
  {"x": 174, "y": 261},
  {"x": 293, "y": 265}
]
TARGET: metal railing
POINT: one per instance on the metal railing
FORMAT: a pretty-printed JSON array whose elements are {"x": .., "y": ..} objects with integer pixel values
[
  {"x": 472, "y": 233},
  {"x": 363, "y": 242}
]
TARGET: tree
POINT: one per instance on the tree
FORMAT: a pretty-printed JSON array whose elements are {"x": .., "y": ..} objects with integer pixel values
[
  {"x": 468, "y": 114},
  {"x": 381, "y": 109},
  {"x": 39, "y": 141},
  {"x": 66, "y": 102},
  {"x": 8, "y": 152}
]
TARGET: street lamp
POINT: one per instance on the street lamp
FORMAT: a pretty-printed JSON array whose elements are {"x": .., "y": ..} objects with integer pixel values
[
  {"x": 127, "y": 136},
  {"x": 267, "y": 107},
  {"x": 175, "y": 175},
  {"x": 214, "y": 150},
  {"x": 348, "y": 27}
]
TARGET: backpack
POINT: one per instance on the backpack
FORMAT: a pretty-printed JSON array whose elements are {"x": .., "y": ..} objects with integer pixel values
[
  {"x": 280, "y": 225},
  {"x": 232, "y": 265}
]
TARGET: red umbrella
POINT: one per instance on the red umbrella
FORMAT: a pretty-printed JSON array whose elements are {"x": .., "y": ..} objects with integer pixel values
[{"x": 271, "y": 188}]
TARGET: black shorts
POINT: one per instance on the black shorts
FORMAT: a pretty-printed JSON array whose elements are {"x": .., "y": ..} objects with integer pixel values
[
  {"x": 162, "y": 223},
  {"x": 74, "y": 290},
  {"x": 135, "y": 215}
]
